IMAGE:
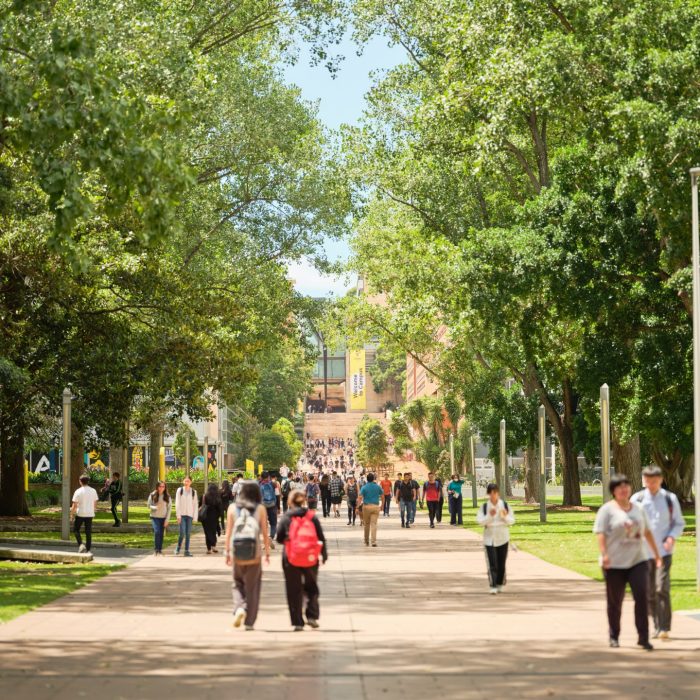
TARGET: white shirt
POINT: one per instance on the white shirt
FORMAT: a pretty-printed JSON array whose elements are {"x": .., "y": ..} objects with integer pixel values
[
  {"x": 186, "y": 503},
  {"x": 85, "y": 497},
  {"x": 496, "y": 532}
]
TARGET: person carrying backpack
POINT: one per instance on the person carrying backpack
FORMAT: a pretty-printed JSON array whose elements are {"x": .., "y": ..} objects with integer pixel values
[
  {"x": 431, "y": 495},
  {"x": 304, "y": 545},
  {"x": 313, "y": 492},
  {"x": 246, "y": 542},
  {"x": 269, "y": 500},
  {"x": 353, "y": 492},
  {"x": 496, "y": 517}
]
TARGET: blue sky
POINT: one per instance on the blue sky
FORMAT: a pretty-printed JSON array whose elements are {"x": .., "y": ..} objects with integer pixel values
[{"x": 340, "y": 100}]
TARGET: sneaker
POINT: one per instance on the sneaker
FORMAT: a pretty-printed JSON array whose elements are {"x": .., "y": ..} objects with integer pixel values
[
  {"x": 312, "y": 623},
  {"x": 493, "y": 591},
  {"x": 374, "y": 544},
  {"x": 238, "y": 617},
  {"x": 646, "y": 646},
  {"x": 664, "y": 635},
  {"x": 249, "y": 628},
  {"x": 215, "y": 550},
  {"x": 188, "y": 554},
  {"x": 499, "y": 589},
  {"x": 366, "y": 544},
  {"x": 614, "y": 644},
  {"x": 349, "y": 523},
  {"x": 432, "y": 525},
  {"x": 656, "y": 634},
  {"x": 177, "y": 552},
  {"x": 116, "y": 525},
  {"x": 403, "y": 525},
  {"x": 407, "y": 526},
  {"x": 82, "y": 549},
  {"x": 208, "y": 551},
  {"x": 298, "y": 628}
]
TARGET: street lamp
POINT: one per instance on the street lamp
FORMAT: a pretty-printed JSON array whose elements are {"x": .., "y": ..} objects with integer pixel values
[
  {"x": 542, "y": 426},
  {"x": 65, "y": 467},
  {"x": 605, "y": 439},
  {"x": 694, "y": 175}
]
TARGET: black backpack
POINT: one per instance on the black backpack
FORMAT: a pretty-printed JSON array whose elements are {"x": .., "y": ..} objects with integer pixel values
[{"x": 505, "y": 504}]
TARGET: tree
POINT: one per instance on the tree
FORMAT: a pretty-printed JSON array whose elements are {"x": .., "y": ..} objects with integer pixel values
[
  {"x": 285, "y": 428},
  {"x": 272, "y": 450},
  {"x": 372, "y": 445}
]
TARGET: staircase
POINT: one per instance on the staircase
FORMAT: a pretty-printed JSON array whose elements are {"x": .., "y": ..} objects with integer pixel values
[{"x": 321, "y": 426}]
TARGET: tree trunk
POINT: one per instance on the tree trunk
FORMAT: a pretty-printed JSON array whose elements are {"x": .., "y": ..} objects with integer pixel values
[
  {"x": 678, "y": 472},
  {"x": 532, "y": 475},
  {"x": 77, "y": 457},
  {"x": 116, "y": 460},
  {"x": 154, "y": 456},
  {"x": 12, "y": 499},
  {"x": 627, "y": 459}
]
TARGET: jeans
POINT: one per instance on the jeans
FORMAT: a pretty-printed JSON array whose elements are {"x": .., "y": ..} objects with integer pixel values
[
  {"x": 272, "y": 520},
  {"x": 432, "y": 511},
  {"x": 158, "y": 532},
  {"x": 405, "y": 510},
  {"x": 352, "y": 511},
  {"x": 659, "y": 594},
  {"x": 79, "y": 521},
  {"x": 616, "y": 581},
  {"x": 496, "y": 561},
  {"x": 115, "y": 503},
  {"x": 441, "y": 505},
  {"x": 414, "y": 508},
  {"x": 300, "y": 583},
  {"x": 185, "y": 532},
  {"x": 387, "y": 504},
  {"x": 456, "y": 510}
]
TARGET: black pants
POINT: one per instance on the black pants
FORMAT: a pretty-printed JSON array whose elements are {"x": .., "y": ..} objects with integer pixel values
[
  {"x": 456, "y": 510},
  {"x": 616, "y": 581},
  {"x": 300, "y": 583},
  {"x": 433, "y": 511},
  {"x": 88, "y": 531},
  {"x": 115, "y": 503},
  {"x": 326, "y": 502},
  {"x": 210, "y": 525},
  {"x": 352, "y": 511},
  {"x": 496, "y": 560},
  {"x": 441, "y": 505}
]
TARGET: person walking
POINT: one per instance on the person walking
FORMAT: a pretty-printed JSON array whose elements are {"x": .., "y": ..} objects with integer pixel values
[
  {"x": 336, "y": 490},
  {"x": 227, "y": 498},
  {"x": 405, "y": 495},
  {"x": 431, "y": 495},
  {"x": 186, "y": 513},
  {"x": 414, "y": 504},
  {"x": 353, "y": 494},
  {"x": 313, "y": 493},
  {"x": 116, "y": 494},
  {"x": 454, "y": 495},
  {"x": 496, "y": 517},
  {"x": 441, "y": 500},
  {"x": 83, "y": 511},
  {"x": 304, "y": 543},
  {"x": 159, "y": 505},
  {"x": 246, "y": 541},
  {"x": 666, "y": 523},
  {"x": 622, "y": 526},
  {"x": 269, "y": 500},
  {"x": 209, "y": 516},
  {"x": 371, "y": 495},
  {"x": 386, "y": 485},
  {"x": 325, "y": 495}
]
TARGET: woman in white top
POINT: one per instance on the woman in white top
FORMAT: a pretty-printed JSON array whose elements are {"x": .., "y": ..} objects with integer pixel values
[
  {"x": 496, "y": 517},
  {"x": 622, "y": 527}
]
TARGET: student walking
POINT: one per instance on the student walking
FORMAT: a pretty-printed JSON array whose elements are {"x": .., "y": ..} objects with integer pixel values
[
  {"x": 371, "y": 495},
  {"x": 454, "y": 494},
  {"x": 304, "y": 544},
  {"x": 622, "y": 526},
  {"x": 431, "y": 495},
  {"x": 186, "y": 513},
  {"x": 336, "y": 491},
  {"x": 496, "y": 517},
  {"x": 227, "y": 498},
  {"x": 269, "y": 500},
  {"x": 325, "y": 485},
  {"x": 441, "y": 500},
  {"x": 313, "y": 493},
  {"x": 209, "y": 515},
  {"x": 666, "y": 523},
  {"x": 83, "y": 511},
  {"x": 386, "y": 485},
  {"x": 246, "y": 541},
  {"x": 116, "y": 494},
  {"x": 160, "y": 506},
  {"x": 405, "y": 495},
  {"x": 353, "y": 494}
]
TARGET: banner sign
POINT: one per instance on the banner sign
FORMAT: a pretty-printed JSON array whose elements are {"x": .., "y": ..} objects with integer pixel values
[{"x": 358, "y": 392}]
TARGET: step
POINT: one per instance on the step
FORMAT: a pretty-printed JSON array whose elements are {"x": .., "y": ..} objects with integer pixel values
[
  {"x": 44, "y": 556},
  {"x": 55, "y": 543}
]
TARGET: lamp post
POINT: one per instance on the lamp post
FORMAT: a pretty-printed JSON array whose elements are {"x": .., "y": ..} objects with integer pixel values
[
  {"x": 187, "y": 453},
  {"x": 605, "y": 438},
  {"x": 125, "y": 477},
  {"x": 452, "y": 453},
  {"x": 65, "y": 467},
  {"x": 543, "y": 464},
  {"x": 206, "y": 460},
  {"x": 473, "y": 463},
  {"x": 694, "y": 175},
  {"x": 502, "y": 466}
]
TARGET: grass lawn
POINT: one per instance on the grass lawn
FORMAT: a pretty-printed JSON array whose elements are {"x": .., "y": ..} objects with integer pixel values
[
  {"x": 567, "y": 539},
  {"x": 24, "y": 586},
  {"x": 138, "y": 540}
]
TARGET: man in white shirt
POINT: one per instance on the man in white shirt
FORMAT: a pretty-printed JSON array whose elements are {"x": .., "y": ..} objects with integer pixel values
[{"x": 83, "y": 510}]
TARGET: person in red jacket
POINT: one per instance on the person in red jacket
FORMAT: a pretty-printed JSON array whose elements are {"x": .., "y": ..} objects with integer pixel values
[
  {"x": 431, "y": 495},
  {"x": 386, "y": 485}
]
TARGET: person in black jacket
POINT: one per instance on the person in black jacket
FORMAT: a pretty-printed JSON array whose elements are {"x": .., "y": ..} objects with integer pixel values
[
  {"x": 209, "y": 516},
  {"x": 301, "y": 581}
]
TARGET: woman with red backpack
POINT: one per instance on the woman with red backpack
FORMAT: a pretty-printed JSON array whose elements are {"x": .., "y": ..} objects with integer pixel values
[{"x": 304, "y": 543}]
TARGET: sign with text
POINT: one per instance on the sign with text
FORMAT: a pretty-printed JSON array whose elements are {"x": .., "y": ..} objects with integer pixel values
[{"x": 358, "y": 389}]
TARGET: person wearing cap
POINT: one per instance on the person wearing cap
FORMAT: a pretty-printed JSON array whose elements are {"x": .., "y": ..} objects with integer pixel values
[
  {"x": 622, "y": 527},
  {"x": 666, "y": 522}
]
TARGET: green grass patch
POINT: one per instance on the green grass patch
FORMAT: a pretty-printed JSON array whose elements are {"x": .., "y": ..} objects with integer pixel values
[
  {"x": 567, "y": 539},
  {"x": 137, "y": 540},
  {"x": 24, "y": 586}
]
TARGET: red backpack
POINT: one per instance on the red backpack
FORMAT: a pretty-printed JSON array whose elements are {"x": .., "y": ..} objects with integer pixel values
[{"x": 302, "y": 546}]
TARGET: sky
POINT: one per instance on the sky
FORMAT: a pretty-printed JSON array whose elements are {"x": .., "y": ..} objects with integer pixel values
[{"x": 340, "y": 100}]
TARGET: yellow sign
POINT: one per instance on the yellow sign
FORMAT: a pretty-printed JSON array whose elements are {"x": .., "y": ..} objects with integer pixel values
[
  {"x": 161, "y": 464},
  {"x": 250, "y": 466},
  {"x": 358, "y": 388},
  {"x": 260, "y": 468}
]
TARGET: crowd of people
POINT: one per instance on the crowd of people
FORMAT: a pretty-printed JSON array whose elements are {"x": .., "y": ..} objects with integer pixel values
[{"x": 636, "y": 533}]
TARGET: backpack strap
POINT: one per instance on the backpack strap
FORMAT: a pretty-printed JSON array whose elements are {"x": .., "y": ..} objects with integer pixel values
[
  {"x": 505, "y": 503},
  {"x": 669, "y": 503}
]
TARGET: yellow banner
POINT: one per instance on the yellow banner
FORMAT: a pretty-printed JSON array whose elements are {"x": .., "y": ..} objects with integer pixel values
[
  {"x": 358, "y": 389},
  {"x": 250, "y": 466}
]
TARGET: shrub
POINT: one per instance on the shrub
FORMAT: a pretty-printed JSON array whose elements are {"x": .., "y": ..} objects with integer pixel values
[{"x": 43, "y": 497}]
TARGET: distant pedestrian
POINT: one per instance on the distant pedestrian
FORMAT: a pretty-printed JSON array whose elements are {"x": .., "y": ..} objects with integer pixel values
[
  {"x": 160, "y": 505},
  {"x": 325, "y": 485},
  {"x": 269, "y": 500},
  {"x": 336, "y": 489},
  {"x": 371, "y": 495},
  {"x": 406, "y": 494},
  {"x": 441, "y": 500},
  {"x": 431, "y": 495},
  {"x": 454, "y": 495},
  {"x": 622, "y": 526},
  {"x": 209, "y": 516},
  {"x": 227, "y": 498},
  {"x": 666, "y": 523},
  {"x": 186, "y": 512},
  {"x": 414, "y": 504},
  {"x": 386, "y": 485},
  {"x": 83, "y": 511},
  {"x": 313, "y": 492},
  {"x": 278, "y": 492},
  {"x": 496, "y": 517},
  {"x": 116, "y": 494},
  {"x": 352, "y": 491},
  {"x": 246, "y": 541},
  {"x": 304, "y": 544}
]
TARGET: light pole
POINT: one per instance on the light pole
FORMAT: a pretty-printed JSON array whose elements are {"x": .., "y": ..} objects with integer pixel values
[
  {"x": 605, "y": 438},
  {"x": 694, "y": 175},
  {"x": 452, "y": 453},
  {"x": 206, "y": 459},
  {"x": 502, "y": 466},
  {"x": 187, "y": 452},
  {"x": 65, "y": 468},
  {"x": 543, "y": 464},
  {"x": 125, "y": 477}
]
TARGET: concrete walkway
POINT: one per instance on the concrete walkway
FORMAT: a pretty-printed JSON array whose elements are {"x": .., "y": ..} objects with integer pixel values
[{"x": 409, "y": 619}]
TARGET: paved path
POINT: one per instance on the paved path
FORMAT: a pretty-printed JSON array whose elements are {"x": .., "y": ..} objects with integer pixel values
[{"x": 409, "y": 619}]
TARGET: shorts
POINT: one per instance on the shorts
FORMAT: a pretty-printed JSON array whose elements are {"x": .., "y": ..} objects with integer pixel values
[{"x": 336, "y": 500}]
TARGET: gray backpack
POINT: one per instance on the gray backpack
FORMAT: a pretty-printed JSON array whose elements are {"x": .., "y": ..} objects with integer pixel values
[{"x": 246, "y": 535}]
